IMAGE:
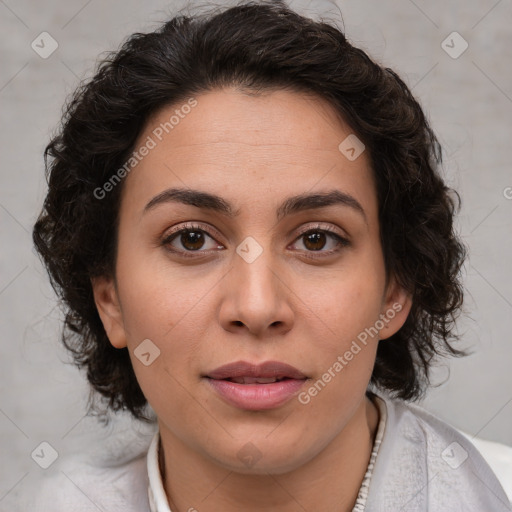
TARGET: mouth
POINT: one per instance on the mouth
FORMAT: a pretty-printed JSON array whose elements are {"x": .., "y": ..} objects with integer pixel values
[{"x": 256, "y": 387}]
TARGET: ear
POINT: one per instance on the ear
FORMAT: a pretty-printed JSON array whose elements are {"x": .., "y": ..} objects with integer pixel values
[
  {"x": 107, "y": 303},
  {"x": 396, "y": 306}
]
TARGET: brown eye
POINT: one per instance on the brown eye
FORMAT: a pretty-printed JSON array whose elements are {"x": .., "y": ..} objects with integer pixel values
[
  {"x": 314, "y": 241},
  {"x": 192, "y": 240}
]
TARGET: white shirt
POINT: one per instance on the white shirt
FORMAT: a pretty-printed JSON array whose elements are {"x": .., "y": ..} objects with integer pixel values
[{"x": 418, "y": 464}]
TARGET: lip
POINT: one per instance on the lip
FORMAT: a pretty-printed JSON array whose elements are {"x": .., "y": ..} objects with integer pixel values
[
  {"x": 266, "y": 369},
  {"x": 256, "y": 396}
]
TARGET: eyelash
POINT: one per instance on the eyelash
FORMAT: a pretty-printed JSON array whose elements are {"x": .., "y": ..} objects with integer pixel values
[{"x": 341, "y": 241}]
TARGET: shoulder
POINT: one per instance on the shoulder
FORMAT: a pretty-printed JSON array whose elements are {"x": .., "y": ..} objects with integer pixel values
[
  {"x": 101, "y": 474},
  {"x": 75, "y": 484},
  {"x": 424, "y": 462}
]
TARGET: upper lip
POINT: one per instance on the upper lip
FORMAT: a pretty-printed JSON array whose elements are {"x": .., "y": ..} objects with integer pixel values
[{"x": 266, "y": 369}]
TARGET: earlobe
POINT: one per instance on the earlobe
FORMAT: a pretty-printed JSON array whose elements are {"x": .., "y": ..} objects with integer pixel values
[
  {"x": 395, "y": 309},
  {"x": 107, "y": 304}
]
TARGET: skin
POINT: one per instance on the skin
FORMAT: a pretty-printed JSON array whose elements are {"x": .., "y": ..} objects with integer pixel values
[{"x": 214, "y": 308}]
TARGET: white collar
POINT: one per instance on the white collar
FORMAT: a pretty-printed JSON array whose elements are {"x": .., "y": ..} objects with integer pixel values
[{"x": 156, "y": 493}]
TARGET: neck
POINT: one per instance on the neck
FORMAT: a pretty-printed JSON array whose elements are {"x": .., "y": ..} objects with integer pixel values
[{"x": 329, "y": 482}]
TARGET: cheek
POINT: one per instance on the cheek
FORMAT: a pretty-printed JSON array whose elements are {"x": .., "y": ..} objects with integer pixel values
[
  {"x": 158, "y": 307},
  {"x": 156, "y": 296},
  {"x": 174, "y": 320},
  {"x": 346, "y": 309},
  {"x": 348, "y": 303},
  {"x": 345, "y": 352}
]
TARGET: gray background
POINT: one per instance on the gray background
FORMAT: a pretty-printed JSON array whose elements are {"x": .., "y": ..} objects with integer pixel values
[{"x": 469, "y": 102}]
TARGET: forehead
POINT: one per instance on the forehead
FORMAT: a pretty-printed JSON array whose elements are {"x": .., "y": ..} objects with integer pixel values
[
  {"x": 280, "y": 141},
  {"x": 272, "y": 116}
]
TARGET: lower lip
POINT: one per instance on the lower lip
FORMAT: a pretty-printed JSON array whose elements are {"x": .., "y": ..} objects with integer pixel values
[{"x": 257, "y": 397}]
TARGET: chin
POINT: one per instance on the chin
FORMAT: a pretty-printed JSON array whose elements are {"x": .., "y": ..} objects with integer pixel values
[{"x": 264, "y": 456}]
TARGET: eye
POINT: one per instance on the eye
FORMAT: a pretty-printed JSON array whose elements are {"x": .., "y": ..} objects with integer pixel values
[
  {"x": 315, "y": 239},
  {"x": 191, "y": 238}
]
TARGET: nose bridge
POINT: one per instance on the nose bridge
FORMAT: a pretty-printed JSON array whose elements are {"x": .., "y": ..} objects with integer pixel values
[{"x": 254, "y": 268}]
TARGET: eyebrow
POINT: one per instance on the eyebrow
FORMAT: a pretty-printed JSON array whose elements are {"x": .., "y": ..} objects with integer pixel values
[{"x": 294, "y": 204}]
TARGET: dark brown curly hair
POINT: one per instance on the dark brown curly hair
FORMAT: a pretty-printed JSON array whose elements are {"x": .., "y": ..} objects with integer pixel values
[{"x": 253, "y": 46}]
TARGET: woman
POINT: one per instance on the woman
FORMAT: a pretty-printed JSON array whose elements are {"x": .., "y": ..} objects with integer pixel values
[{"x": 246, "y": 222}]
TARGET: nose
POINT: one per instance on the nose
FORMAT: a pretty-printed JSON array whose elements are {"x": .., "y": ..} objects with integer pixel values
[{"x": 256, "y": 297}]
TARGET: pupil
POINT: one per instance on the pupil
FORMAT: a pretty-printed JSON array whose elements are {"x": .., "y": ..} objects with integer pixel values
[
  {"x": 317, "y": 239},
  {"x": 192, "y": 239}
]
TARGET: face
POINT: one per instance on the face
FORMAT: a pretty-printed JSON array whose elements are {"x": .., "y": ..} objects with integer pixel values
[{"x": 258, "y": 274}]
